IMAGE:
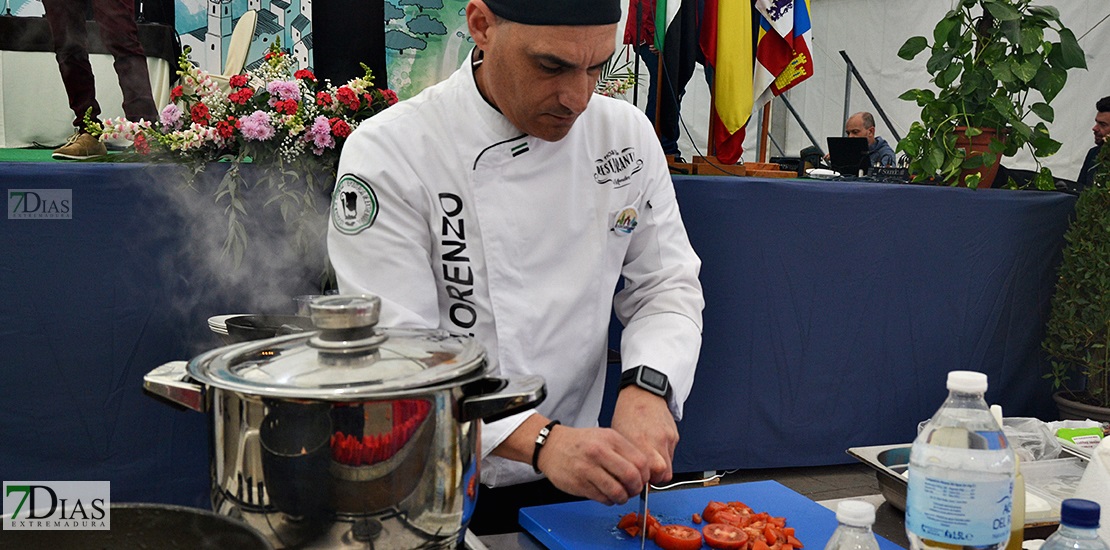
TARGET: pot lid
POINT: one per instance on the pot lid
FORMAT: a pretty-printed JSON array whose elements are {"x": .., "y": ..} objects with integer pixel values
[{"x": 347, "y": 357}]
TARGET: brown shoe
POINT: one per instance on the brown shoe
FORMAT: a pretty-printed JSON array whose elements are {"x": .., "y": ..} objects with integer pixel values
[{"x": 80, "y": 146}]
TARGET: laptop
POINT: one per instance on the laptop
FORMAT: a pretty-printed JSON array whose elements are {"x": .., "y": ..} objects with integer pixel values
[{"x": 848, "y": 155}]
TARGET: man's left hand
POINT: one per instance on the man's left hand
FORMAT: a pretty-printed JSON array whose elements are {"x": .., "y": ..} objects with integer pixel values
[{"x": 645, "y": 419}]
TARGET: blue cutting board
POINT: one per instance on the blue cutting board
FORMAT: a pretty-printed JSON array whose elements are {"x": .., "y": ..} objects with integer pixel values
[{"x": 588, "y": 525}]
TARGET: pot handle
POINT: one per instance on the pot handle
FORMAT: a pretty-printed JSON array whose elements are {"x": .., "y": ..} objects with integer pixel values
[
  {"x": 171, "y": 381},
  {"x": 495, "y": 398}
]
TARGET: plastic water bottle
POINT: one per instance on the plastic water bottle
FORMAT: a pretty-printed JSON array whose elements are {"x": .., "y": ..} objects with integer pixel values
[
  {"x": 1078, "y": 527},
  {"x": 961, "y": 474},
  {"x": 854, "y": 532}
]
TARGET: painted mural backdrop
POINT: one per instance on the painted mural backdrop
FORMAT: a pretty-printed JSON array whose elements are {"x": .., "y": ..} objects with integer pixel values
[{"x": 425, "y": 40}]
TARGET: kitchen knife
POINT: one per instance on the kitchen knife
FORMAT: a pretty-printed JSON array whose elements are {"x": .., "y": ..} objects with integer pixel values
[{"x": 644, "y": 515}]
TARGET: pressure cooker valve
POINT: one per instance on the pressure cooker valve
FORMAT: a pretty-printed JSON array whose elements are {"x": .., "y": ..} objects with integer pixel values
[
  {"x": 346, "y": 323},
  {"x": 345, "y": 311}
]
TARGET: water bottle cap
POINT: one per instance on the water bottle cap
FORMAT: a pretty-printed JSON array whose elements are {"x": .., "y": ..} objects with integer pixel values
[
  {"x": 967, "y": 381},
  {"x": 1077, "y": 512},
  {"x": 855, "y": 512}
]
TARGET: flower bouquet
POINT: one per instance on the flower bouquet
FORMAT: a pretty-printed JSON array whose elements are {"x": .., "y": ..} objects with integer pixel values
[{"x": 286, "y": 123}]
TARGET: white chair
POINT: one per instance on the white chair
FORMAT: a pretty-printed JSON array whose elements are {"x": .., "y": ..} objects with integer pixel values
[{"x": 237, "y": 50}]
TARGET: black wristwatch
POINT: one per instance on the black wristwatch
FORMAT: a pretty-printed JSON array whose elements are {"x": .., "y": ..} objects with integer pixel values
[{"x": 648, "y": 379}]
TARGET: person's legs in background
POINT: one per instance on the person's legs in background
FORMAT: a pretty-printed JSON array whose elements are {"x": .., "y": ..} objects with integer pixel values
[
  {"x": 668, "y": 136},
  {"x": 121, "y": 36},
  {"x": 67, "y": 25},
  {"x": 71, "y": 48}
]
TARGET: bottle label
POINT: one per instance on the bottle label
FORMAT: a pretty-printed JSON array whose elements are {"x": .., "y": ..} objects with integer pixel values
[{"x": 964, "y": 513}]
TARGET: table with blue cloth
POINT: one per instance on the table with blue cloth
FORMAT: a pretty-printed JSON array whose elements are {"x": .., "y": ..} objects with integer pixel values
[{"x": 834, "y": 310}]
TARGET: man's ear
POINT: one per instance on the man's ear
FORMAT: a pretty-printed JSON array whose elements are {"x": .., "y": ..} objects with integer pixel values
[{"x": 479, "y": 19}]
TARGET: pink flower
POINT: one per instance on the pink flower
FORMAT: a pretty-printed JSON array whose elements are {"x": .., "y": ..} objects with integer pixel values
[
  {"x": 171, "y": 116},
  {"x": 284, "y": 90},
  {"x": 256, "y": 126},
  {"x": 320, "y": 133},
  {"x": 238, "y": 81}
]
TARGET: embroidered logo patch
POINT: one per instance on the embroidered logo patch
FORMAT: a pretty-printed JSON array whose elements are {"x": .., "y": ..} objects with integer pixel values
[
  {"x": 617, "y": 167},
  {"x": 354, "y": 205},
  {"x": 626, "y": 220}
]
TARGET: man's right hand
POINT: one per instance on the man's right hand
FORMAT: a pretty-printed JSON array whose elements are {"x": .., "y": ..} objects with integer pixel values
[{"x": 595, "y": 463}]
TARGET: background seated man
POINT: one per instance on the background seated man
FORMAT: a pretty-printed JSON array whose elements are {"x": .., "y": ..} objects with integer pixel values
[
  {"x": 862, "y": 124},
  {"x": 1100, "y": 129}
]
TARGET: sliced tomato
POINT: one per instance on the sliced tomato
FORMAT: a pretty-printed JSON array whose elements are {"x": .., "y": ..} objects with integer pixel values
[
  {"x": 793, "y": 541},
  {"x": 720, "y": 535},
  {"x": 630, "y": 522},
  {"x": 678, "y": 537},
  {"x": 696, "y": 518},
  {"x": 711, "y": 510},
  {"x": 760, "y": 544},
  {"x": 770, "y": 534},
  {"x": 728, "y": 516}
]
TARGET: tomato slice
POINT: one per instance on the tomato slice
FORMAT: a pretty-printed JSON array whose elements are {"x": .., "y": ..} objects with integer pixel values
[
  {"x": 720, "y": 535},
  {"x": 678, "y": 537},
  {"x": 630, "y": 522}
]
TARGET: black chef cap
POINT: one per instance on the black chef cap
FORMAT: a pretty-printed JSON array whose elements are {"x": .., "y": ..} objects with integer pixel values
[{"x": 561, "y": 12}]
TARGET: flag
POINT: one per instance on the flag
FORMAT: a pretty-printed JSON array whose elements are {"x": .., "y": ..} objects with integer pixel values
[
  {"x": 782, "y": 52},
  {"x": 665, "y": 13},
  {"x": 726, "y": 41}
]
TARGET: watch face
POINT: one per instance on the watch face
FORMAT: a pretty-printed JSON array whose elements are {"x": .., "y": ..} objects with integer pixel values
[{"x": 653, "y": 378}]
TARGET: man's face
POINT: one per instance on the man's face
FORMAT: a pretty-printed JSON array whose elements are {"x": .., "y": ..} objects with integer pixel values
[
  {"x": 1102, "y": 128},
  {"x": 854, "y": 128},
  {"x": 542, "y": 77}
]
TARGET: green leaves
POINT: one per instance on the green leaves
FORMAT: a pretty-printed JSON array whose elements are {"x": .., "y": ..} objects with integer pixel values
[
  {"x": 985, "y": 58},
  {"x": 912, "y": 47},
  {"x": 1071, "y": 55}
]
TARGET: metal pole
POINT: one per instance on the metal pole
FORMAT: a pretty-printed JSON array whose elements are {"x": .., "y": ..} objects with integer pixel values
[
  {"x": 809, "y": 134},
  {"x": 867, "y": 90},
  {"x": 847, "y": 91}
]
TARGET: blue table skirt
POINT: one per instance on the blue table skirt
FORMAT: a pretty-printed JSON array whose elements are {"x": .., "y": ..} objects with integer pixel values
[
  {"x": 834, "y": 310},
  {"x": 91, "y": 304}
]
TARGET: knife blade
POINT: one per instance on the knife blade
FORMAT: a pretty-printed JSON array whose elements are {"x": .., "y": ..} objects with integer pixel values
[{"x": 644, "y": 515}]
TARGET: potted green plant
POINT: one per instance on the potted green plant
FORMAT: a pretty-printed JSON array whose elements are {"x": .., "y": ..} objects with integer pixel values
[
  {"x": 1077, "y": 336},
  {"x": 993, "y": 63}
]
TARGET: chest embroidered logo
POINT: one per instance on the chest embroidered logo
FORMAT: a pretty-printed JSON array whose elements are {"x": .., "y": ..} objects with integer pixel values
[
  {"x": 354, "y": 205},
  {"x": 626, "y": 220},
  {"x": 617, "y": 167}
]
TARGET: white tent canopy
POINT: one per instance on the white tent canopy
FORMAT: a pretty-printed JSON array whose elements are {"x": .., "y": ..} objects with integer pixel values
[{"x": 871, "y": 32}]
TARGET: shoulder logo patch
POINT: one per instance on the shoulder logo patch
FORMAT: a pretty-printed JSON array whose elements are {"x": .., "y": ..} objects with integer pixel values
[{"x": 354, "y": 205}]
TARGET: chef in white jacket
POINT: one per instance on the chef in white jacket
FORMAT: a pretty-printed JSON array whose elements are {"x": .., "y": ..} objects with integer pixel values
[{"x": 507, "y": 202}]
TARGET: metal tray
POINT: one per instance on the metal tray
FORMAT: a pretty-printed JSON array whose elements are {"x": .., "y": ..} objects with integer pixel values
[{"x": 891, "y": 462}]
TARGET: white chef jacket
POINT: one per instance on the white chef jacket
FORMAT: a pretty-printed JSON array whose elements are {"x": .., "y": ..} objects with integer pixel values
[{"x": 459, "y": 221}]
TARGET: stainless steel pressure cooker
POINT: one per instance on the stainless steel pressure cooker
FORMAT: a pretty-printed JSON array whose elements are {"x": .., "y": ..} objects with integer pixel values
[{"x": 351, "y": 436}]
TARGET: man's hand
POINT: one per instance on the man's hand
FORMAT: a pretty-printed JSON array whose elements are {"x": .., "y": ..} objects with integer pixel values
[
  {"x": 596, "y": 463},
  {"x": 645, "y": 420}
]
